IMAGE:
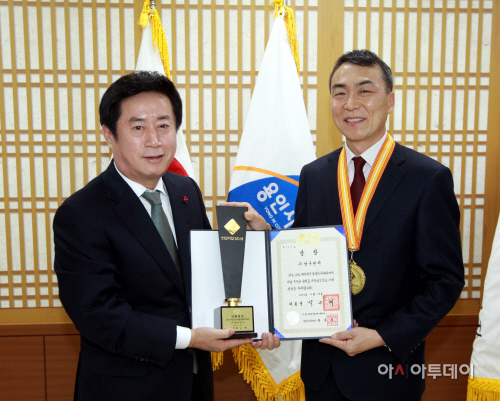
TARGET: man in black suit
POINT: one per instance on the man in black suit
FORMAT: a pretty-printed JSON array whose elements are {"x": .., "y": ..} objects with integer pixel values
[
  {"x": 125, "y": 280},
  {"x": 407, "y": 269},
  {"x": 409, "y": 253}
]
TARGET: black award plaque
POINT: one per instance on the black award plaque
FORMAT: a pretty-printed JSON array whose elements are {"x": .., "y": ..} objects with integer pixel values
[{"x": 232, "y": 234}]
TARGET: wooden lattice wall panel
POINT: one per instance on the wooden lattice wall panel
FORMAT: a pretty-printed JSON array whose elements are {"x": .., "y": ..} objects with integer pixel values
[
  {"x": 439, "y": 52},
  {"x": 56, "y": 60}
]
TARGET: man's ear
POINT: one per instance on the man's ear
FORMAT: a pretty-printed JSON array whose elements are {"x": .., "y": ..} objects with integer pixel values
[
  {"x": 391, "y": 103},
  {"x": 108, "y": 136}
]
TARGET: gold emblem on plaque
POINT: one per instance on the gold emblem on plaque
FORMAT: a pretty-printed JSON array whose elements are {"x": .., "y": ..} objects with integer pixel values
[
  {"x": 232, "y": 227},
  {"x": 308, "y": 242},
  {"x": 301, "y": 237},
  {"x": 358, "y": 278}
]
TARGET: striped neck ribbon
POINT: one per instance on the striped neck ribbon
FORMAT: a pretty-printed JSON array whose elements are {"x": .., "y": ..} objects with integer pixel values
[{"x": 353, "y": 225}]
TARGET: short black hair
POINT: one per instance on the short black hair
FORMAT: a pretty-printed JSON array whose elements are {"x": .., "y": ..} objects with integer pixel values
[
  {"x": 364, "y": 58},
  {"x": 131, "y": 85}
]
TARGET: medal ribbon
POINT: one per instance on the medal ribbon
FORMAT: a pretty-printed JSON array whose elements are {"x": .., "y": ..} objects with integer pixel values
[{"x": 353, "y": 225}]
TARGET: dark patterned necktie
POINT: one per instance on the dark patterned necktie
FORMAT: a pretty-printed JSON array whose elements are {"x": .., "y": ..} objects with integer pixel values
[
  {"x": 358, "y": 183},
  {"x": 161, "y": 222}
]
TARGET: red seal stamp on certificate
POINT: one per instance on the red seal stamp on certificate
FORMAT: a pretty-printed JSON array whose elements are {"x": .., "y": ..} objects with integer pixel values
[
  {"x": 331, "y": 302},
  {"x": 332, "y": 320}
]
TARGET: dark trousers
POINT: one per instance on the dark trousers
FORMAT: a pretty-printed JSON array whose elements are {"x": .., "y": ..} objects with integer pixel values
[{"x": 196, "y": 390}]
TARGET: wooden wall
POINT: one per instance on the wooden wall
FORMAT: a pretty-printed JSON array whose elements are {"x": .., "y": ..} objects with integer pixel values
[
  {"x": 71, "y": 51},
  {"x": 39, "y": 361}
]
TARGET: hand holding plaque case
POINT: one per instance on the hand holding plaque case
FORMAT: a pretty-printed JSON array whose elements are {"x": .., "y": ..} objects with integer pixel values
[{"x": 232, "y": 234}]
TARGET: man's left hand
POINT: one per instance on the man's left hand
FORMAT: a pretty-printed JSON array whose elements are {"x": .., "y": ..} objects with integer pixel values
[
  {"x": 269, "y": 341},
  {"x": 355, "y": 341}
]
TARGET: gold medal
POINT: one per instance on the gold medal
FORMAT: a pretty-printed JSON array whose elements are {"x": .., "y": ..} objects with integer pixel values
[{"x": 358, "y": 278}]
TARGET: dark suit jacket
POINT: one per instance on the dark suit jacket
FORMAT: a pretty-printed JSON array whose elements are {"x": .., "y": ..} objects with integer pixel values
[
  {"x": 123, "y": 292},
  {"x": 412, "y": 258}
]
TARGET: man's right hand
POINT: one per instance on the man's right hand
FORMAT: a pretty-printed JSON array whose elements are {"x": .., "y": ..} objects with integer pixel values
[
  {"x": 215, "y": 340},
  {"x": 254, "y": 220}
]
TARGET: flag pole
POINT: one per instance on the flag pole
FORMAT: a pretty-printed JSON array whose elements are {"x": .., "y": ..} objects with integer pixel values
[
  {"x": 277, "y": 129},
  {"x": 153, "y": 56}
]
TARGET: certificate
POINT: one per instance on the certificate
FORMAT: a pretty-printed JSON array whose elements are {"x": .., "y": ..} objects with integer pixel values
[
  {"x": 297, "y": 281},
  {"x": 310, "y": 282}
]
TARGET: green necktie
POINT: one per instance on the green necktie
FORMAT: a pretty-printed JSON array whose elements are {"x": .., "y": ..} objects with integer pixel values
[{"x": 161, "y": 222}]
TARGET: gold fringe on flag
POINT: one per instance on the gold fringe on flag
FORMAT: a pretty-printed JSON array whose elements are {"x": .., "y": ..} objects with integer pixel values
[
  {"x": 217, "y": 359},
  {"x": 148, "y": 14},
  {"x": 263, "y": 385},
  {"x": 288, "y": 16},
  {"x": 144, "y": 18},
  {"x": 480, "y": 389}
]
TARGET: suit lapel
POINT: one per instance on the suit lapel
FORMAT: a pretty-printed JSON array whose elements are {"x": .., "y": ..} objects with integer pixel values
[
  {"x": 390, "y": 179},
  {"x": 329, "y": 188},
  {"x": 133, "y": 214}
]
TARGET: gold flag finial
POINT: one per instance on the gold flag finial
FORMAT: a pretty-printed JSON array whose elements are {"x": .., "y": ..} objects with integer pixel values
[{"x": 285, "y": 12}]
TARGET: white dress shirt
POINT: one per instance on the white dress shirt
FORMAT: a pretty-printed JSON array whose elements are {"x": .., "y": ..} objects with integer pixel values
[
  {"x": 183, "y": 333},
  {"x": 369, "y": 155}
]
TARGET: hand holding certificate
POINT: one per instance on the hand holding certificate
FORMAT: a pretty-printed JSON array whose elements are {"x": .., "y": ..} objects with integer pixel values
[{"x": 355, "y": 341}]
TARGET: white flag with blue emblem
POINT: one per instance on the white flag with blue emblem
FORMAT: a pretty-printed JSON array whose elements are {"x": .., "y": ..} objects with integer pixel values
[
  {"x": 276, "y": 140},
  {"x": 275, "y": 145}
]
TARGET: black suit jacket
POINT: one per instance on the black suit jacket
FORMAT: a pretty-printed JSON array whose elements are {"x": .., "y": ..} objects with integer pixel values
[
  {"x": 411, "y": 255},
  {"x": 123, "y": 292}
]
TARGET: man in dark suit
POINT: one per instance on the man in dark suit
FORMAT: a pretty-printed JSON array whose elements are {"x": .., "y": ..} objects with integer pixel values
[
  {"x": 122, "y": 258},
  {"x": 409, "y": 254},
  {"x": 406, "y": 266}
]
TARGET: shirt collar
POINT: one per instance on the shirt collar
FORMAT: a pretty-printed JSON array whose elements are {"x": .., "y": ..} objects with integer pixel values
[
  {"x": 370, "y": 154},
  {"x": 139, "y": 189}
]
